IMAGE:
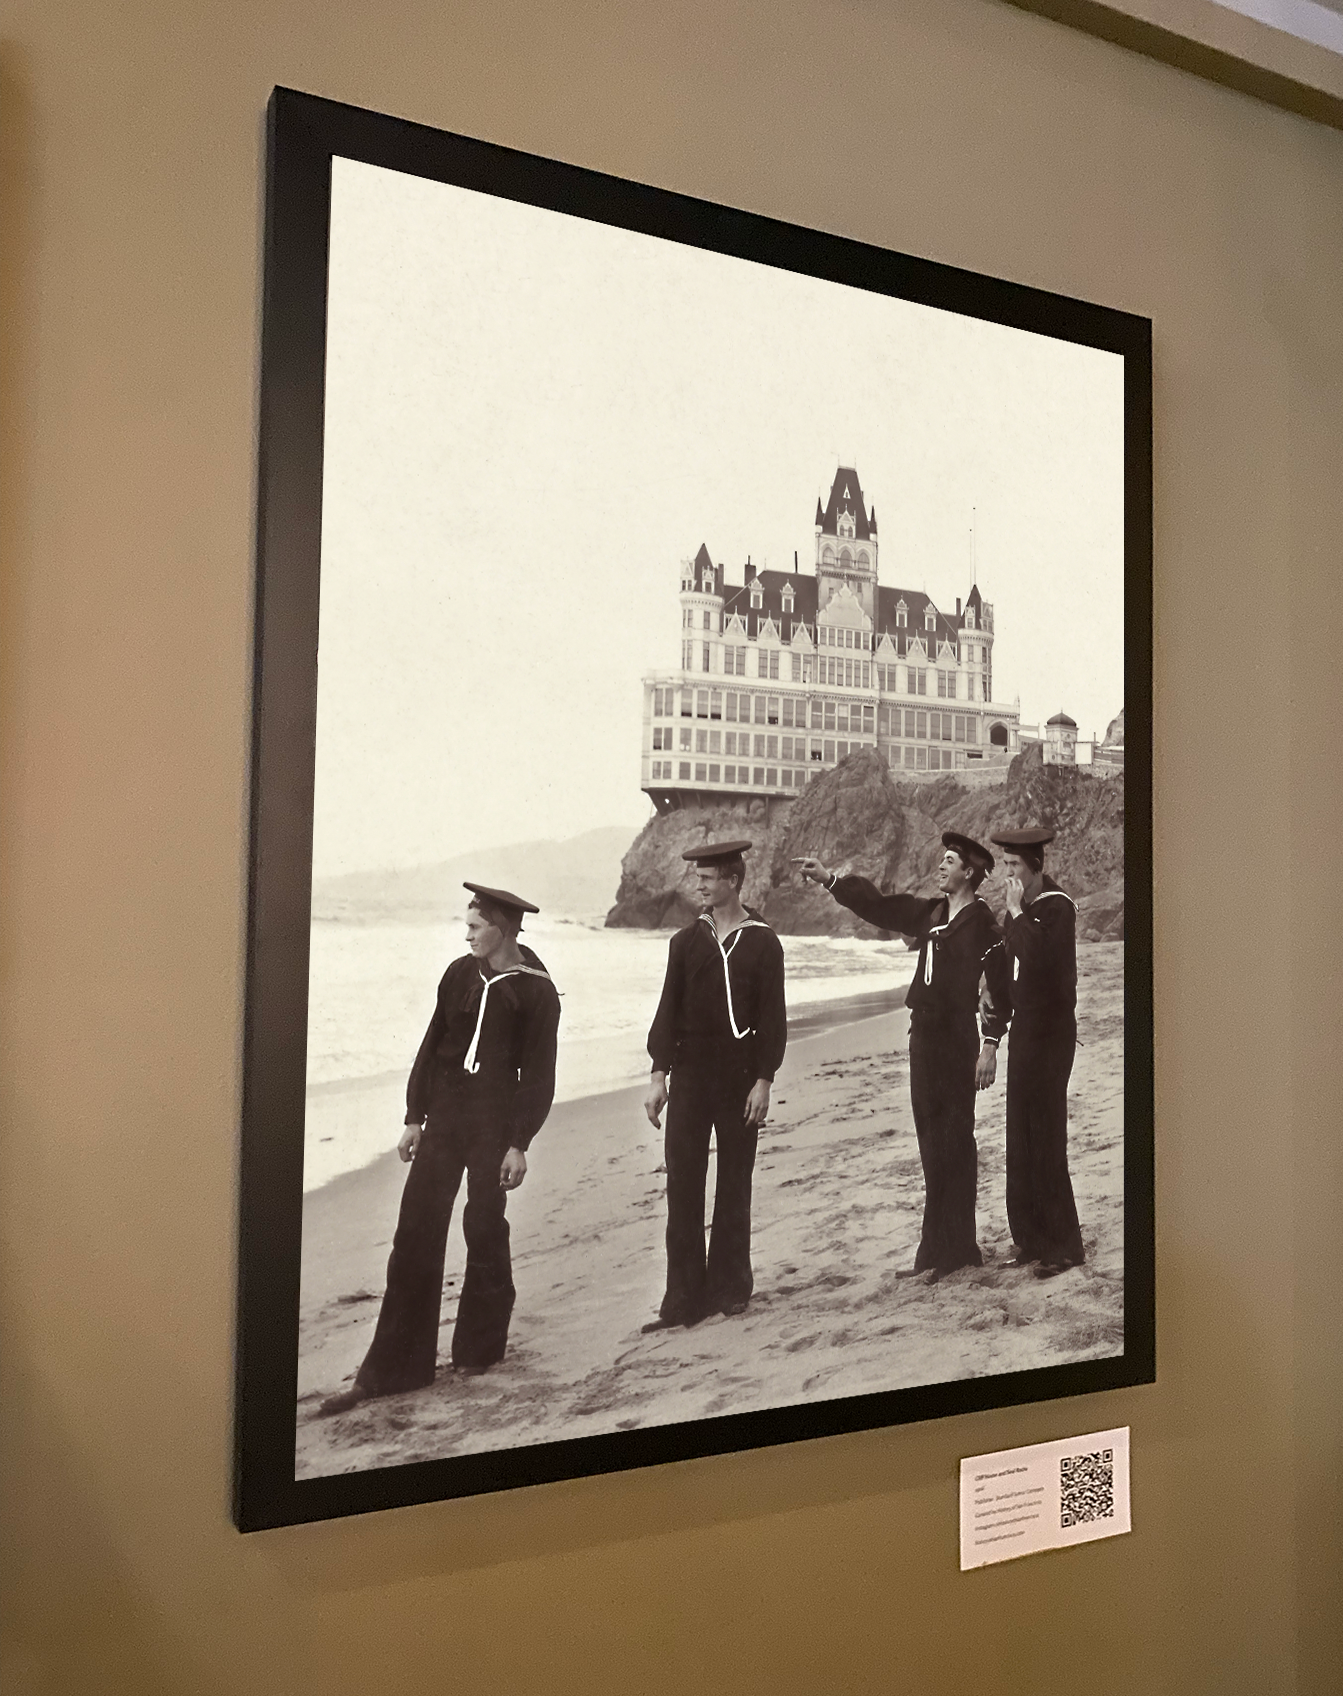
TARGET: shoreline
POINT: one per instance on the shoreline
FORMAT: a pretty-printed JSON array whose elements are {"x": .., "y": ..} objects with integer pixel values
[
  {"x": 812, "y": 1019},
  {"x": 836, "y": 1218}
]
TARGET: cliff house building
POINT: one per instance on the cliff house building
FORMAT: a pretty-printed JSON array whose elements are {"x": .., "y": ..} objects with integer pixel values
[{"x": 789, "y": 673}]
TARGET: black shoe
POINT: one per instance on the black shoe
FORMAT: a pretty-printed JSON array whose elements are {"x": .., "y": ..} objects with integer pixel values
[
  {"x": 1052, "y": 1268},
  {"x": 343, "y": 1401},
  {"x": 731, "y": 1309},
  {"x": 661, "y": 1324}
]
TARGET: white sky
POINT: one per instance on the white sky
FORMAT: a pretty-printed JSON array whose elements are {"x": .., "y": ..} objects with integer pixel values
[{"x": 532, "y": 419}]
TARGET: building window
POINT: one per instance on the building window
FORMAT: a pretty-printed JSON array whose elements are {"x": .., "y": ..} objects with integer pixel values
[
  {"x": 708, "y": 655},
  {"x": 760, "y": 747},
  {"x": 921, "y": 726},
  {"x": 715, "y": 741},
  {"x": 685, "y": 739},
  {"x": 729, "y": 774},
  {"x": 921, "y": 758},
  {"x": 707, "y": 622},
  {"x": 685, "y": 770},
  {"x": 869, "y": 721},
  {"x": 701, "y": 703},
  {"x": 760, "y": 776},
  {"x": 946, "y": 685},
  {"x": 713, "y": 774},
  {"x": 715, "y": 703},
  {"x": 772, "y": 709},
  {"x": 771, "y": 747},
  {"x": 916, "y": 680},
  {"x": 772, "y": 661},
  {"x": 760, "y": 709},
  {"x": 971, "y": 728},
  {"x": 829, "y": 753},
  {"x": 829, "y": 715},
  {"x": 687, "y": 655},
  {"x": 960, "y": 727},
  {"x": 688, "y": 618},
  {"x": 730, "y": 742},
  {"x": 930, "y": 617},
  {"x": 816, "y": 715},
  {"x": 816, "y": 751},
  {"x": 909, "y": 757},
  {"x": 771, "y": 779},
  {"x": 701, "y": 772},
  {"x": 701, "y": 741},
  {"x": 842, "y": 750},
  {"x": 730, "y": 703},
  {"x": 969, "y": 618},
  {"x": 657, "y": 741},
  {"x": 901, "y": 616},
  {"x": 757, "y": 599}
]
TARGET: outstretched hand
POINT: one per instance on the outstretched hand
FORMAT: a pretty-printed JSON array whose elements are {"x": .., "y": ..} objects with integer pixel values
[{"x": 812, "y": 869}]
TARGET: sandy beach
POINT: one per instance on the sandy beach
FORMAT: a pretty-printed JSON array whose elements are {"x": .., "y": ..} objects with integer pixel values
[{"x": 838, "y": 1201}]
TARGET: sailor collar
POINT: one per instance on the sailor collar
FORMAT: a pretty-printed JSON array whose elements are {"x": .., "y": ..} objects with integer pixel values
[
  {"x": 470, "y": 1063},
  {"x": 752, "y": 921},
  {"x": 955, "y": 921}
]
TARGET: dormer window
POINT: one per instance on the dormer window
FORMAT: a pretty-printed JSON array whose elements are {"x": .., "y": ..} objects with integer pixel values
[
  {"x": 757, "y": 599},
  {"x": 788, "y": 600},
  {"x": 930, "y": 617},
  {"x": 846, "y": 526},
  {"x": 901, "y": 615},
  {"x": 969, "y": 618}
]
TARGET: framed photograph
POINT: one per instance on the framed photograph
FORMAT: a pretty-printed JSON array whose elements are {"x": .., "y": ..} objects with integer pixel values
[{"x": 699, "y": 975}]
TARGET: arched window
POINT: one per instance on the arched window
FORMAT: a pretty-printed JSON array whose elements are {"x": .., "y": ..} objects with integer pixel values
[
  {"x": 863, "y": 559},
  {"x": 998, "y": 735},
  {"x": 827, "y": 555}
]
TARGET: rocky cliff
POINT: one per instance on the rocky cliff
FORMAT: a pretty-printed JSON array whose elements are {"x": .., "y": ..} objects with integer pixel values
[{"x": 859, "y": 819}]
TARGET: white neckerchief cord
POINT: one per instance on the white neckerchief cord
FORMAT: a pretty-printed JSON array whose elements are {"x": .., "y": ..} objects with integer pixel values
[
  {"x": 725, "y": 951},
  {"x": 978, "y": 901},
  {"x": 470, "y": 1063}
]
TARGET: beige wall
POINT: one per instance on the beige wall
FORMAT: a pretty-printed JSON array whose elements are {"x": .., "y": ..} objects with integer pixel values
[{"x": 962, "y": 129}]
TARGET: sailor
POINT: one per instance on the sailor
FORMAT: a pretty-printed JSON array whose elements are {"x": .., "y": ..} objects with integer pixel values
[
  {"x": 479, "y": 1091},
  {"x": 719, "y": 1034},
  {"x": 1041, "y": 933},
  {"x": 959, "y": 943}
]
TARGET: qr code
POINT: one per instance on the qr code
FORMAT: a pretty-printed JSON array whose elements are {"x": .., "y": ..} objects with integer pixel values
[{"x": 1086, "y": 1488}]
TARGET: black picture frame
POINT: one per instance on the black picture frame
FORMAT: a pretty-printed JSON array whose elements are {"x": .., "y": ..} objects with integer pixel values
[{"x": 305, "y": 133}]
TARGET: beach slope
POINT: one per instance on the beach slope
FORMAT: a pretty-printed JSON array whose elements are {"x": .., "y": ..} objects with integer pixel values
[{"x": 838, "y": 1200}]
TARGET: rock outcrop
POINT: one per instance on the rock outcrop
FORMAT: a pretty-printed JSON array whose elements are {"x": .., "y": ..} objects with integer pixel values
[{"x": 859, "y": 819}]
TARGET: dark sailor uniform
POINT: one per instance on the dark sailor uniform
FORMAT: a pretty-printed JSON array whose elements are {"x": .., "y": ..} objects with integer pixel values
[
  {"x": 720, "y": 1025},
  {"x": 1041, "y": 1212},
  {"x": 943, "y": 1048},
  {"x": 482, "y": 1083}
]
